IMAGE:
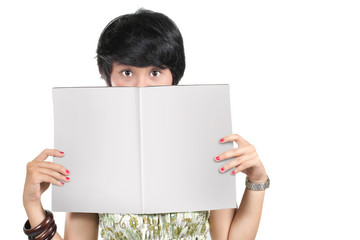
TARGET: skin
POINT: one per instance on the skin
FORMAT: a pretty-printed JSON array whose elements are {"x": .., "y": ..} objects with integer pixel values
[
  {"x": 241, "y": 223},
  {"x": 130, "y": 76}
]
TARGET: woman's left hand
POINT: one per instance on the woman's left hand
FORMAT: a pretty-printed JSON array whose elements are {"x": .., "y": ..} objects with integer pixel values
[{"x": 245, "y": 160}]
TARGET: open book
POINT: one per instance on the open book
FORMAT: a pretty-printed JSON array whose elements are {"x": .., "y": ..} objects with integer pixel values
[{"x": 143, "y": 149}]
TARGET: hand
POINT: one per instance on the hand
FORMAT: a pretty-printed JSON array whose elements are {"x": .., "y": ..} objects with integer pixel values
[
  {"x": 39, "y": 175},
  {"x": 245, "y": 160}
]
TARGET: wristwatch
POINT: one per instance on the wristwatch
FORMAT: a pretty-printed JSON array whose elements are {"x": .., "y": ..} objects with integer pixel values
[{"x": 257, "y": 186}]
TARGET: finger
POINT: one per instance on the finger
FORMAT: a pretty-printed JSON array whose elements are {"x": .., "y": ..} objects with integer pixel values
[
  {"x": 242, "y": 167},
  {"x": 235, "y": 152},
  {"x": 49, "y": 179},
  {"x": 48, "y": 152},
  {"x": 240, "y": 141},
  {"x": 237, "y": 161},
  {"x": 54, "y": 174},
  {"x": 55, "y": 167}
]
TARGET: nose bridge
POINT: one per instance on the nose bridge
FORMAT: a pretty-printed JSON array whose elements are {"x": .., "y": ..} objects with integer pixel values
[{"x": 142, "y": 79}]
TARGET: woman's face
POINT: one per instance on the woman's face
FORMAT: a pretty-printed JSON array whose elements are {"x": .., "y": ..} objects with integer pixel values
[{"x": 130, "y": 76}]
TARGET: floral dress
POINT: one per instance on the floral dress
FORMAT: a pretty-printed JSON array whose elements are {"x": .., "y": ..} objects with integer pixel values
[{"x": 163, "y": 226}]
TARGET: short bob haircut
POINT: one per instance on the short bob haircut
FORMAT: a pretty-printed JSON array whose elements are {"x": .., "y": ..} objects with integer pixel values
[{"x": 144, "y": 38}]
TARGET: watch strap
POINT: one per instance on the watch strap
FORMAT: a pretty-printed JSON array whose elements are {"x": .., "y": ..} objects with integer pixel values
[{"x": 257, "y": 186}]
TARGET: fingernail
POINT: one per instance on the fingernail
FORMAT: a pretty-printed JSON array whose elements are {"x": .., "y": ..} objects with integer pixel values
[
  {"x": 67, "y": 171},
  {"x": 61, "y": 152},
  {"x": 221, "y": 140},
  {"x": 222, "y": 169},
  {"x": 62, "y": 183},
  {"x": 67, "y": 178},
  {"x": 217, "y": 158},
  {"x": 233, "y": 172}
]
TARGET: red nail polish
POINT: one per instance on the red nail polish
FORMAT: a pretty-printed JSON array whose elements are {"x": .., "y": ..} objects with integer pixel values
[
  {"x": 67, "y": 178},
  {"x": 67, "y": 171},
  {"x": 233, "y": 172},
  {"x": 217, "y": 158},
  {"x": 62, "y": 183},
  {"x": 222, "y": 169},
  {"x": 62, "y": 152},
  {"x": 221, "y": 140}
]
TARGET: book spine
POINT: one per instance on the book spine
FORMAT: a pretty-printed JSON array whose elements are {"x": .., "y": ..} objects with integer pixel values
[{"x": 141, "y": 152}]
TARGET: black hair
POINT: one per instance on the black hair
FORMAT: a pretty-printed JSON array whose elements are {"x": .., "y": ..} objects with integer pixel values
[{"x": 144, "y": 38}]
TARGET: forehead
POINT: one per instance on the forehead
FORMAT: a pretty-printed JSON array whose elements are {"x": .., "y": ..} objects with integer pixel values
[{"x": 123, "y": 66}]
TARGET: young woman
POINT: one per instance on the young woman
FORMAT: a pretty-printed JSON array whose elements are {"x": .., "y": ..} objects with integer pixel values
[{"x": 146, "y": 49}]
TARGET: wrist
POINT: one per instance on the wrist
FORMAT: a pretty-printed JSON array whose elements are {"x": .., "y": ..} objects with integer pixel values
[
  {"x": 29, "y": 204},
  {"x": 259, "y": 180},
  {"x": 30, "y": 200},
  {"x": 34, "y": 211}
]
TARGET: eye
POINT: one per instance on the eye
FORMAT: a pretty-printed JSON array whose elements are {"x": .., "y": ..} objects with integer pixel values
[
  {"x": 155, "y": 73},
  {"x": 127, "y": 73}
]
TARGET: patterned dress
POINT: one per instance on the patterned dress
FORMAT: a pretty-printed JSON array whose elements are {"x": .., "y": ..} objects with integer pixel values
[{"x": 163, "y": 226}]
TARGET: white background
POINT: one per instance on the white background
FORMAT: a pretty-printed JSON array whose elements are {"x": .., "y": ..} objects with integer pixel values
[{"x": 293, "y": 70}]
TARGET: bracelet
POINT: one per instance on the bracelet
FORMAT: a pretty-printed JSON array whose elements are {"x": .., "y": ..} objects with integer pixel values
[
  {"x": 47, "y": 226},
  {"x": 39, "y": 228},
  {"x": 49, "y": 233},
  {"x": 257, "y": 186}
]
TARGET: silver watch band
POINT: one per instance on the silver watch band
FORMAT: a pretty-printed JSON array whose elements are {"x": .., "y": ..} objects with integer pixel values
[{"x": 257, "y": 186}]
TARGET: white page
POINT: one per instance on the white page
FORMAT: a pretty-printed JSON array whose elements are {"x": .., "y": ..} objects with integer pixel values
[
  {"x": 97, "y": 129},
  {"x": 112, "y": 136},
  {"x": 181, "y": 127}
]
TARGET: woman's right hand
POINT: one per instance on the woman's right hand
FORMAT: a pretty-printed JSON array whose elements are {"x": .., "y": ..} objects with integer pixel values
[{"x": 39, "y": 175}]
